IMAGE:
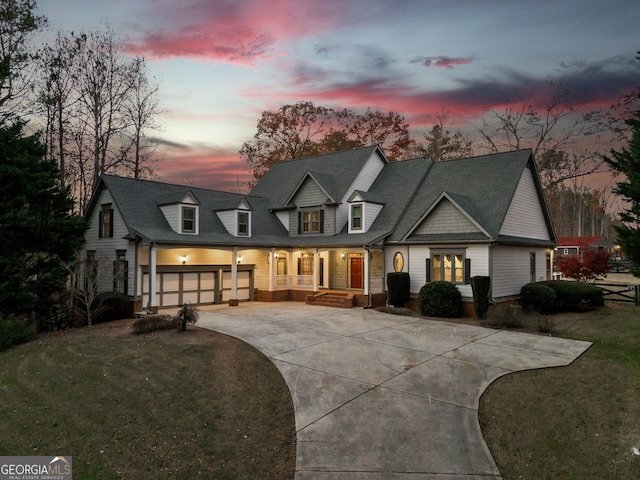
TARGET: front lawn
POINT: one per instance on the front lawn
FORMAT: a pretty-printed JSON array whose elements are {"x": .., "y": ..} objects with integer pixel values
[
  {"x": 165, "y": 405},
  {"x": 575, "y": 422}
]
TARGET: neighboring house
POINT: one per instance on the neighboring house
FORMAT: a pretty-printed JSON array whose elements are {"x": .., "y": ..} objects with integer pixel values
[
  {"x": 339, "y": 221},
  {"x": 576, "y": 245}
]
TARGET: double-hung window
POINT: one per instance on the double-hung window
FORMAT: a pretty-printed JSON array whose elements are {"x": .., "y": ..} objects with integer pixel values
[
  {"x": 188, "y": 220},
  {"x": 243, "y": 224},
  {"x": 356, "y": 217}
]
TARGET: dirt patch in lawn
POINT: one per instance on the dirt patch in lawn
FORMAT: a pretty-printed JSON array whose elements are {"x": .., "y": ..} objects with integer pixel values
[{"x": 196, "y": 404}]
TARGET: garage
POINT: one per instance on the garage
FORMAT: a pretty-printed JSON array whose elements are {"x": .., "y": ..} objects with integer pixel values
[{"x": 197, "y": 285}]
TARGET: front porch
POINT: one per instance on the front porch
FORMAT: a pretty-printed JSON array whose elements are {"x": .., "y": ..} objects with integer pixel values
[{"x": 170, "y": 276}]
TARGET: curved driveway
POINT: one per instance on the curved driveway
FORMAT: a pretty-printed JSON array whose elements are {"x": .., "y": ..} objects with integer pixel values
[{"x": 380, "y": 396}]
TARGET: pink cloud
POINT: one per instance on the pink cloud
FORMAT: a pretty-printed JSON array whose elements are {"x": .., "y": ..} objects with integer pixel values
[
  {"x": 201, "y": 166},
  {"x": 441, "y": 61},
  {"x": 236, "y": 32}
]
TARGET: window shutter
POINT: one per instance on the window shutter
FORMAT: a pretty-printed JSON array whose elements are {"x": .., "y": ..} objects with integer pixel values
[
  {"x": 299, "y": 223},
  {"x": 321, "y": 221},
  {"x": 467, "y": 271},
  {"x": 111, "y": 223},
  {"x": 299, "y": 266},
  {"x": 100, "y": 224},
  {"x": 428, "y": 270}
]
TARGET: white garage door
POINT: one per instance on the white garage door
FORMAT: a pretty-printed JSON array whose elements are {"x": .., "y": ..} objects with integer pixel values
[
  {"x": 176, "y": 288},
  {"x": 244, "y": 284}
]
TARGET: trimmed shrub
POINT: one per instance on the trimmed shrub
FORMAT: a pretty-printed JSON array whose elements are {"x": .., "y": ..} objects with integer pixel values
[
  {"x": 399, "y": 286},
  {"x": 537, "y": 297},
  {"x": 14, "y": 331},
  {"x": 113, "y": 306},
  {"x": 480, "y": 286},
  {"x": 440, "y": 299},
  {"x": 575, "y": 295},
  {"x": 151, "y": 323}
]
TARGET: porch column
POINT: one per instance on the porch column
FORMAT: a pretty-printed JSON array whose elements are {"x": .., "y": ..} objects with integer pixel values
[
  {"x": 367, "y": 256},
  {"x": 233, "y": 301},
  {"x": 272, "y": 267},
  {"x": 151, "y": 304},
  {"x": 315, "y": 269},
  {"x": 289, "y": 271}
]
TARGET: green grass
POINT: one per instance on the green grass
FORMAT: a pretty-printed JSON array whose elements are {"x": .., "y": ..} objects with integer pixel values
[
  {"x": 190, "y": 405},
  {"x": 575, "y": 422}
]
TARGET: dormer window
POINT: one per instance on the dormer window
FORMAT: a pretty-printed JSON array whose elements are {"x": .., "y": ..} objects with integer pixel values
[
  {"x": 311, "y": 221},
  {"x": 243, "y": 224},
  {"x": 188, "y": 220},
  {"x": 356, "y": 217},
  {"x": 106, "y": 221}
]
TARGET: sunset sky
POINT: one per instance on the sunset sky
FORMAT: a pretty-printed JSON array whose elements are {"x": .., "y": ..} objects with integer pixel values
[{"x": 220, "y": 63}]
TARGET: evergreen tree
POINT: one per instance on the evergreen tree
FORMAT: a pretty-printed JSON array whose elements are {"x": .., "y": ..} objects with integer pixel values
[
  {"x": 38, "y": 232},
  {"x": 627, "y": 162}
]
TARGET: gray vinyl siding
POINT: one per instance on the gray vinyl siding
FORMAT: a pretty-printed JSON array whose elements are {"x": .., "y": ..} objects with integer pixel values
[
  {"x": 446, "y": 218},
  {"x": 362, "y": 182},
  {"x": 229, "y": 219},
  {"x": 106, "y": 248},
  {"x": 525, "y": 215},
  {"x": 511, "y": 269},
  {"x": 172, "y": 214},
  {"x": 310, "y": 194},
  {"x": 371, "y": 211},
  {"x": 284, "y": 219}
]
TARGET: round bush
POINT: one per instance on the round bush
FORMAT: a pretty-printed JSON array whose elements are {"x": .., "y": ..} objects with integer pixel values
[
  {"x": 440, "y": 299},
  {"x": 537, "y": 297}
]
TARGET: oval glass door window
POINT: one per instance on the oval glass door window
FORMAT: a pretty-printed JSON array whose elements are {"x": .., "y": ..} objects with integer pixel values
[{"x": 398, "y": 262}]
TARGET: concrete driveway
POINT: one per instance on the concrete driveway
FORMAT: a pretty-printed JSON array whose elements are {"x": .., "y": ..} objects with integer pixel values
[{"x": 380, "y": 396}]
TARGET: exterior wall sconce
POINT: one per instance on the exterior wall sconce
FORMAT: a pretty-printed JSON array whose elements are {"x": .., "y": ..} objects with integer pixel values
[
  {"x": 343, "y": 255},
  {"x": 183, "y": 259},
  {"x": 239, "y": 259}
]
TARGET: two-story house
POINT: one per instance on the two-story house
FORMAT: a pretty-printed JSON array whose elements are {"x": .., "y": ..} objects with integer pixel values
[{"x": 335, "y": 222}]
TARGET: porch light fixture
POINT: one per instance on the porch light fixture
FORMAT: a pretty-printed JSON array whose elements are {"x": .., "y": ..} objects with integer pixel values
[
  {"x": 343, "y": 255},
  {"x": 183, "y": 259},
  {"x": 238, "y": 259}
]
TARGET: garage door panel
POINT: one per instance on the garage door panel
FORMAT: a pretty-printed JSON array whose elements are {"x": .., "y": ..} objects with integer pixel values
[
  {"x": 190, "y": 281},
  {"x": 170, "y": 282},
  {"x": 190, "y": 297}
]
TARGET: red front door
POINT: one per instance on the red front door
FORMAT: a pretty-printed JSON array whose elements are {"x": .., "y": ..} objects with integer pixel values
[{"x": 356, "y": 272}]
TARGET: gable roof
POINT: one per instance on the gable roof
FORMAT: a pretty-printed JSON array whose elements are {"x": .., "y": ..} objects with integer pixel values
[
  {"x": 483, "y": 187},
  {"x": 334, "y": 172}
]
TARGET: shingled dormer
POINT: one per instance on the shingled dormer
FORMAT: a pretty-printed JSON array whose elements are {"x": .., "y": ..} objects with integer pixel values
[
  {"x": 182, "y": 211},
  {"x": 364, "y": 208},
  {"x": 235, "y": 216}
]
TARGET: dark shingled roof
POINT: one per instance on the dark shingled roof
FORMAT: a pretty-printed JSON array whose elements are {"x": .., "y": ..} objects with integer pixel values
[
  {"x": 138, "y": 201},
  {"x": 482, "y": 186},
  {"x": 279, "y": 183}
]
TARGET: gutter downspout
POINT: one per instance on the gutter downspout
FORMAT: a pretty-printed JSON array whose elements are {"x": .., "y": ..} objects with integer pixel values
[
  {"x": 492, "y": 300},
  {"x": 368, "y": 260}
]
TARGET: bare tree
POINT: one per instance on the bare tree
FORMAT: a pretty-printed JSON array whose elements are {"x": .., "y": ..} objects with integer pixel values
[
  {"x": 442, "y": 143},
  {"x": 141, "y": 110},
  {"x": 551, "y": 127},
  {"x": 17, "y": 24}
]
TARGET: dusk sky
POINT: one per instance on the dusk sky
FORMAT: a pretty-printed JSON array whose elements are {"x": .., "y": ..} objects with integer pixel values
[{"x": 221, "y": 63}]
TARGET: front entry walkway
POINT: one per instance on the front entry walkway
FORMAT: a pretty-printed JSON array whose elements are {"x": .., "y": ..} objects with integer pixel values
[{"x": 380, "y": 396}]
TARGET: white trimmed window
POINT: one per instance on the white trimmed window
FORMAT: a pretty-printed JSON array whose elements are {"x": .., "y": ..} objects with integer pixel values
[
  {"x": 243, "y": 224},
  {"x": 189, "y": 220},
  {"x": 449, "y": 267},
  {"x": 357, "y": 217}
]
